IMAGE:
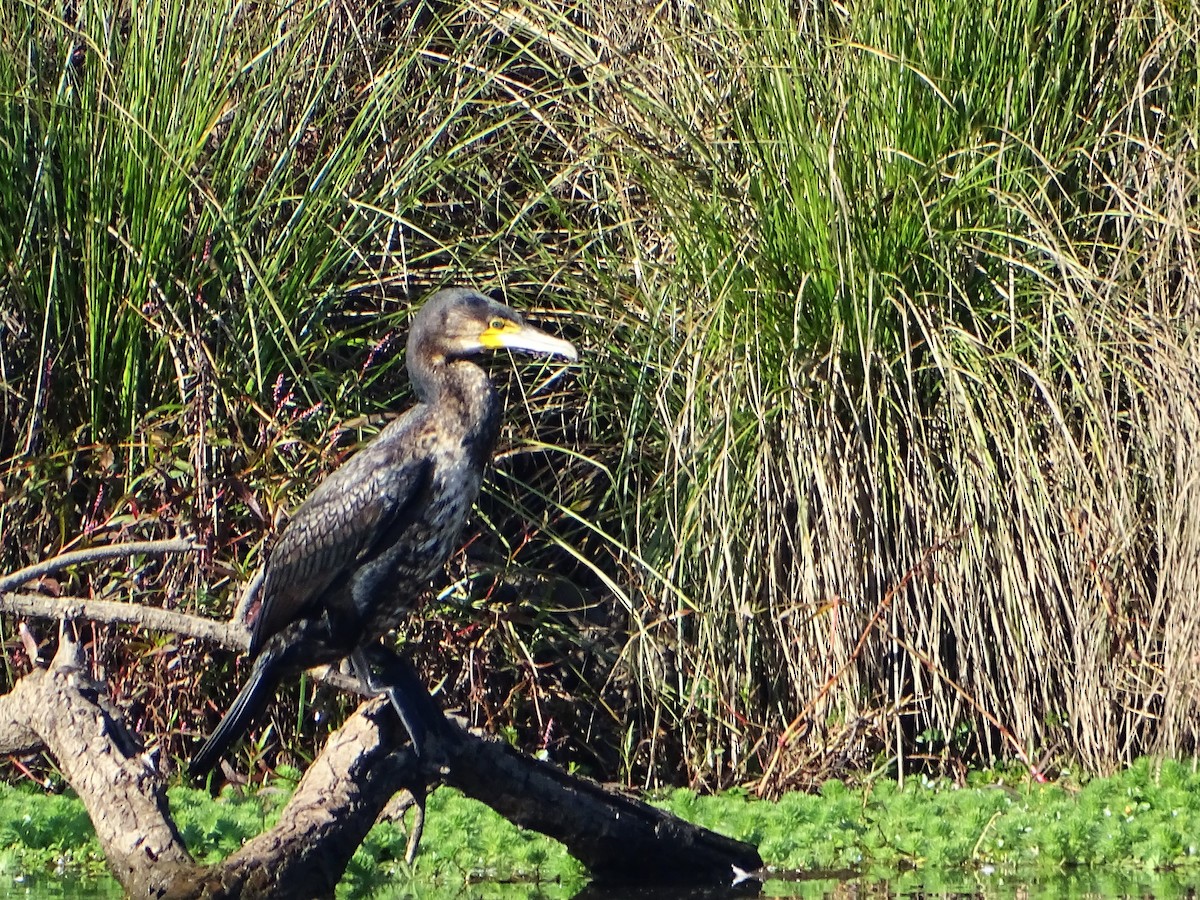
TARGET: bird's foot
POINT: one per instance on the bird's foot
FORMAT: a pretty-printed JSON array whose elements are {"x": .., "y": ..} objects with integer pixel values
[{"x": 398, "y": 680}]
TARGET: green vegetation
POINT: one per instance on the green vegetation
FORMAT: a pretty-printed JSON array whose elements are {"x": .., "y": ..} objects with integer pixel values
[
  {"x": 1141, "y": 824},
  {"x": 1144, "y": 819},
  {"x": 45, "y": 833},
  {"x": 464, "y": 843},
  {"x": 928, "y": 394},
  {"x": 889, "y": 315}
]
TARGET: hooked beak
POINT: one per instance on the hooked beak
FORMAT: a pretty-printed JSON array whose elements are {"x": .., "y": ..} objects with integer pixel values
[{"x": 529, "y": 339}]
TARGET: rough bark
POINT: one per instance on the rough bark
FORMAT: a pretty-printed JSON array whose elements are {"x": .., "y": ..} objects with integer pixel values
[
  {"x": 61, "y": 710},
  {"x": 337, "y": 801},
  {"x": 618, "y": 838}
]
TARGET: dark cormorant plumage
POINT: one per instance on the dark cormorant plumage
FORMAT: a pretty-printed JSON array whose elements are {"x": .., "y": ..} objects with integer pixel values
[{"x": 365, "y": 543}]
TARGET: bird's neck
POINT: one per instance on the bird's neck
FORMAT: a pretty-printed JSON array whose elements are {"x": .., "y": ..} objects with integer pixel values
[{"x": 461, "y": 393}]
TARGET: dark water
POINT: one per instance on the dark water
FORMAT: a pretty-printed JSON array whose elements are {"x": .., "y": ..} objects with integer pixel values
[
  {"x": 1074, "y": 884},
  {"x": 50, "y": 887}
]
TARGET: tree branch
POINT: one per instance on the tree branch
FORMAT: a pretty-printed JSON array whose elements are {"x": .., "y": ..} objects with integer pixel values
[
  {"x": 91, "y": 554},
  {"x": 362, "y": 766},
  {"x": 619, "y": 838},
  {"x": 304, "y": 855},
  {"x": 105, "y": 764},
  {"x": 231, "y": 635},
  {"x": 339, "y": 799}
]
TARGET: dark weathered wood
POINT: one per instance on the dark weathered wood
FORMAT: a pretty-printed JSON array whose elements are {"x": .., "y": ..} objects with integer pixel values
[
  {"x": 305, "y": 854},
  {"x": 618, "y": 838},
  {"x": 336, "y": 803}
]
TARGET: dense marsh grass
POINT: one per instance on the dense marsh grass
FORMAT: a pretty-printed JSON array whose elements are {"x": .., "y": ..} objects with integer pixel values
[
  {"x": 884, "y": 444},
  {"x": 934, "y": 383}
]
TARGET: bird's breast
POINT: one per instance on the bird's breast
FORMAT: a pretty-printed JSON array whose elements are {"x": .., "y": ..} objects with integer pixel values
[
  {"x": 386, "y": 587},
  {"x": 453, "y": 490}
]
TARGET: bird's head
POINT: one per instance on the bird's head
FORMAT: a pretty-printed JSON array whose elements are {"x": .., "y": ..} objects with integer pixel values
[{"x": 455, "y": 324}]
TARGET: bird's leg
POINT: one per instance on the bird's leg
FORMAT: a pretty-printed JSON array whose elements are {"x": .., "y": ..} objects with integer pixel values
[
  {"x": 419, "y": 793},
  {"x": 396, "y": 669},
  {"x": 398, "y": 679},
  {"x": 411, "y": 797},
  {"x": 407, "y": 694}
]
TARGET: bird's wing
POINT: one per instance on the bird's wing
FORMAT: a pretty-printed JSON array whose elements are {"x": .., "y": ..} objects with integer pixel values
[{"x": 356, "y": 505}]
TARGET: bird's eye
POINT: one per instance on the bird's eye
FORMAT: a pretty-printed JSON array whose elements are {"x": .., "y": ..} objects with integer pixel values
[{"x": 496, "y": 324}]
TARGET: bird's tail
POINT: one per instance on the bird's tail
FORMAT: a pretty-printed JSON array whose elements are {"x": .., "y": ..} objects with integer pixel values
[{"x": 250, "y": 703}]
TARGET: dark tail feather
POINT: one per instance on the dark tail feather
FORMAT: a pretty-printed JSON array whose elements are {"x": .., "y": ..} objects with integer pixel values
[{"x": 250, "y": 703}]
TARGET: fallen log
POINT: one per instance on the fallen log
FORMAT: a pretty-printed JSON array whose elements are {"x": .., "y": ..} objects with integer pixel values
[
  {"x": 621, "y": 840},
  {"x": 362, "y": 766}
]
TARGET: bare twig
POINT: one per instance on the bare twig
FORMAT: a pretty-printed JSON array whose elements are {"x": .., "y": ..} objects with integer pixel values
[
  {"x": 248, "y": 595},
  {"x": 226, "y": 634},
  {"x": 232, "y": 634},
  {"x": 91, "y": 554}
]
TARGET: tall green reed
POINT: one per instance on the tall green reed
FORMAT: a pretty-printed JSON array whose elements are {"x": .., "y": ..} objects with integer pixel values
[{"x": 904, "y": 327}]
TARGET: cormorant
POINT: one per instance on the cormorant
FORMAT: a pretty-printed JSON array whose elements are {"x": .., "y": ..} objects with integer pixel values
[{"x": 366, "y": 542}]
